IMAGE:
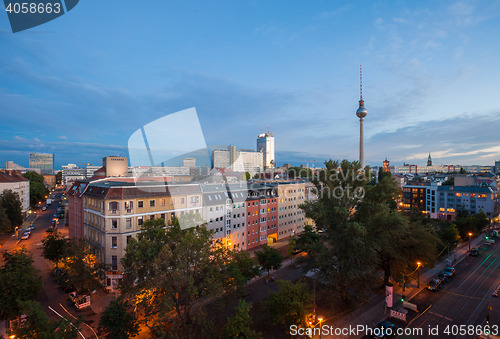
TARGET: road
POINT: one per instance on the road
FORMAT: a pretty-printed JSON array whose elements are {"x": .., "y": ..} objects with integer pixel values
[
  {"x": 52, "y": 297},
  {"x": 463, "y": 300}
]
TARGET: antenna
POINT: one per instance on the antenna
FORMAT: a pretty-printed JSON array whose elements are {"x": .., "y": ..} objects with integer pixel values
[{"x": 360, "y": 82}]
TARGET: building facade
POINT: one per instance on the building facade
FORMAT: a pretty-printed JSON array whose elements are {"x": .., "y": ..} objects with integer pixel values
[
  {"x": 13, "y": 180},
  {"x": 265, "y": 144},
  {"x": 43, "y": 161}
]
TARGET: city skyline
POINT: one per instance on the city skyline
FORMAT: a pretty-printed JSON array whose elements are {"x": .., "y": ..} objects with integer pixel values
[{"x": 79, "y": 91}]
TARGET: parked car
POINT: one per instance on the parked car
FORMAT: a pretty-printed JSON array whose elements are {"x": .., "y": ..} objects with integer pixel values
[
  {"x": 32, "y": 227},
  {"x": 25, "y": 236},
  {"x": 443, "y": 277},
  {"x": 449, "y": 271},
  {"x": 474, "y": 252},
  {"x": 44, "y": 208},
  {"x": 386, "y": 329},
  {"x": 434, "y": 284}
]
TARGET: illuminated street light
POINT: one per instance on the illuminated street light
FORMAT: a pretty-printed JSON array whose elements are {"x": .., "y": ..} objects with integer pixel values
[{"x": 470, "y": 234}]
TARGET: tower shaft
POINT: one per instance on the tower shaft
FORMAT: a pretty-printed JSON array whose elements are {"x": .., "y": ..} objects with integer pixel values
[{"x": 361, "y": 143}]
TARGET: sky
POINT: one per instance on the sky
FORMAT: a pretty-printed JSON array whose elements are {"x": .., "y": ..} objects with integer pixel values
[{"x": 81, "y": 85}]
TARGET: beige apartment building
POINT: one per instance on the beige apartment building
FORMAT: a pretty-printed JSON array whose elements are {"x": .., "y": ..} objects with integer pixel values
[
  {"x": 291, "y": 218},
  {"x": 113, "y": 213}
]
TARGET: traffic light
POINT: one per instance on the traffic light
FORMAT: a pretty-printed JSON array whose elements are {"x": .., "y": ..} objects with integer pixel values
[{"x": 403, "y": 297}]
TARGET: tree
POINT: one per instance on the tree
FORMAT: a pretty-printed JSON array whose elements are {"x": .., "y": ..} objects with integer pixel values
[
  {"x": 84, "y": 270},
  {"x": 269, "y": 258},
  {"x": 38, "y": 191},
  {"x": 118, "y": 321},
  {"x": 398, "y": 241},
  {"x": 20, "y": 281},
  {"x": 38, "y": 326},
  {"x": 240, "y": 269},
  {"x": 55, "y": 247},
  {"x": 240, "y": 324},
  {"x": 310, "y": 242},
  {"x": 462, "y": 171},
  {"x": 348, "y": 262},
  {"x": 290, "y": 304},
  {"x": 5, "y": 224},
  {"x": 11, "y": 203},
  {"x": 168, "y": 272},
  {"x": 247, "y": 176}
]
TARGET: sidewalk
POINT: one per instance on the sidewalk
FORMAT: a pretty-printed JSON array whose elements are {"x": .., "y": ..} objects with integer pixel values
[{"x": 374, "y": 311}]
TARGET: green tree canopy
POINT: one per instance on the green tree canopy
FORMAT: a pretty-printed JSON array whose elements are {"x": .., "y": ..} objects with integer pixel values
[
  {"x": 85, "y": 272},
  {"x": 10, "y": 202},
  {"x": 38, "y": 191},
  {"x": 291, "y": 304},
  {"x": 38, "y": 325},
  {"x": 118, "y": 322},
  {"x": 240, "y": 324},
  {"x": 168, "y": 271},
  {"x": 20, "y": 281},
  {"x": 269, "y": 258},
  {"x": 55, "y": 247}
]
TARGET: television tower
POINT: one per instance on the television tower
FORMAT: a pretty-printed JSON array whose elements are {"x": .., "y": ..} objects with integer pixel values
[{"x": 361, "y": 114}]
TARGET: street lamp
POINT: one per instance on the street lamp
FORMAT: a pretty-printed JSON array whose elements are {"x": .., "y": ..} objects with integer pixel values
[
  {"x": 470, "y": 234},
  {"x": 320, "y": 320},
  {"x": 418, "y": 274}
]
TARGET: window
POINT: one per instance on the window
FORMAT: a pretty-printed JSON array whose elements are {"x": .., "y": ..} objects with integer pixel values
[
  {"x": 113, "y": 206},
  {"x": 129, "y": 206},
  {"x": 162, "y": 202},
  {"x": 182, "y": 200},
  {"x": 162, "y": 216},
  {"x": 114, "y": 224},
  {"x": 128, "y": 238},
  {"x": 114, "y": 242},
  {"x": 128, "y": 222},
  {"x": 151, "y": 203},
  {"x": 140, "y": 221},
  {"x": 151, "y": 217},
  {"x": 140, "y": 204},
  {"x": 114, "y": 262}
]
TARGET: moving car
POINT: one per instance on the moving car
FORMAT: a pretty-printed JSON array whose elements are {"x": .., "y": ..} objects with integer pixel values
[
  {"x": 44, "y": 208},
  {"x": 474, "y": 252},
  {"x": 449, "y": 271},
  {"x": 434, "y": 284},
  {"x": 25, "y": 235}
]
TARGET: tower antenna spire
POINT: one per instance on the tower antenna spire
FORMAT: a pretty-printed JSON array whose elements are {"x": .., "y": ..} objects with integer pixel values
[{"x": 360, "y": 82}]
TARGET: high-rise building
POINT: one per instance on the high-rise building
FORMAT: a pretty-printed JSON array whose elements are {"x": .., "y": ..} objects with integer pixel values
[
  {"x": 43, "y": 161},
  {"x": 361, "y": 114},
  {"x": 230, "y": 157},
  {"x": 497, "y": 167},
  {"x": 386, "y": 167},
  {"x": 265, "y": 144}
]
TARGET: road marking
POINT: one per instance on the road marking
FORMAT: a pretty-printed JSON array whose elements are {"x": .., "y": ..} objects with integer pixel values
[
  {"x": 67, "y": 321},
  {"x": 441, "y": 316},
  {"x": 77, "y": 319}
]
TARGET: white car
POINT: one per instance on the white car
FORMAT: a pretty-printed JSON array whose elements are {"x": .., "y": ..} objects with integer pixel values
[{"x": 25, "y": 235}]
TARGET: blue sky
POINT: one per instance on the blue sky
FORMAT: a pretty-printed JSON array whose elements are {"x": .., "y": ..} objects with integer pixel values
[{"x": 80, "y": 85}]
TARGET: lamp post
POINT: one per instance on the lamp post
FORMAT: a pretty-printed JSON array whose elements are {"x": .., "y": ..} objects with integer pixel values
[
  {"x": 320, "y": 320},
  {"x": 470, "y": 234},
  {"x": 418, "y": 274}
]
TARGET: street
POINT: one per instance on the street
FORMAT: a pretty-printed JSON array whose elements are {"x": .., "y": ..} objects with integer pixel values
[
  {"x": 464, "y": 298},
  {"x": 52, "y": 297}
]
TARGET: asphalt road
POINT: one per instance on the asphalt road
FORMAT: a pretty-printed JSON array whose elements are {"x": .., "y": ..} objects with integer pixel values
[
  {"x": 52, "y": 297},
  {"x": 462, "y": 303}
]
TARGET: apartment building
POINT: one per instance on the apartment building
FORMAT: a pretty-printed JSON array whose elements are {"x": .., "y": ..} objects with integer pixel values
[
  {"x": 13, "y": 180},
  {"x": 262, "y": 214},
  {"x": 291, "y": 218},
  {"x": 114, "y": 211}
]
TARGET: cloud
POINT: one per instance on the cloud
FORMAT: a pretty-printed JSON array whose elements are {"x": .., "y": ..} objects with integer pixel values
[
  {"x": 62, "y": 137},
  {"x": 466, "y": 140}
]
